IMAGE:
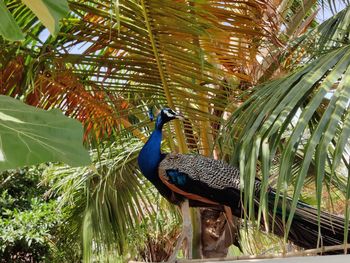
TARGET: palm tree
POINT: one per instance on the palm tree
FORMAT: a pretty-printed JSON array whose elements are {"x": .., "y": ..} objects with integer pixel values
[{"x": 112, "y": 62}]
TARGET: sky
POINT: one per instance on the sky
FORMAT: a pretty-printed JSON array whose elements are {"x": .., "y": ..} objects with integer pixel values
[{"x": 326, "y": 12}]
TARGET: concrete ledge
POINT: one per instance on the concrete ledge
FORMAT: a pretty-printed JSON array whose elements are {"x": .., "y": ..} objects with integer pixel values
[{"x": 306, "y": 259}]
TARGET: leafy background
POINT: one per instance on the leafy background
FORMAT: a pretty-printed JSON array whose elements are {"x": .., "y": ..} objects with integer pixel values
[{"x": 251, "y": 79}]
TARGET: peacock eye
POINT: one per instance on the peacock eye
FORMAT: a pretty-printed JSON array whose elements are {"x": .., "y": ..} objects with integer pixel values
[{"x": 169, "y": 112}]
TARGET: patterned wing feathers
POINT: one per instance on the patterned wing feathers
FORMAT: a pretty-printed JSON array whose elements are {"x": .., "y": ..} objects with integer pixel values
[{"x": 216, "y": 174}]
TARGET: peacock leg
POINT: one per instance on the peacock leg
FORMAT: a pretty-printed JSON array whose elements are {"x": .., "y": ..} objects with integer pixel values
[
  {"x": 187, "y": 233},
  {"x": 187, "y": 227}
]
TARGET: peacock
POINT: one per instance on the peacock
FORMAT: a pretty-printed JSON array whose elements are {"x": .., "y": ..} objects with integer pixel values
[{"x": 196, "y": 180}]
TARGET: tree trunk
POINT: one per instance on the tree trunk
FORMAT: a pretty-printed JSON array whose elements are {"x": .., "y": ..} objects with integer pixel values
[{"x": 217, "y": 233}]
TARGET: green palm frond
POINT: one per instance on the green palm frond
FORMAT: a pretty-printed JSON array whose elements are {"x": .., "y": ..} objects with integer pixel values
[
  {"x": 330, "y": 35},
  {"x": 304, "y": 113},
  {"x": 106, "y": 201},
  {"x": 307, "y": 39}
]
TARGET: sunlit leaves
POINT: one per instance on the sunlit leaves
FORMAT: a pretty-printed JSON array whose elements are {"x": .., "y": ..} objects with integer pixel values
[
  {"x": 304, "y": 113},
  {"x": 190, "y": 39}
]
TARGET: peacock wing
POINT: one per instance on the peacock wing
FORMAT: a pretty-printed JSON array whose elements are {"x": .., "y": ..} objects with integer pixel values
[{"x": 197, "y": 177}]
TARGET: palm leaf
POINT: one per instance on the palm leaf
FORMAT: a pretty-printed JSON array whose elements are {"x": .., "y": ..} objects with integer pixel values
[
  {"x": 106, "y": 201},
  {"x": 107, "y": 68},
  {"x": 279, "y": 118},
  {"x": 329, "y": 35},
  {"x": 141, "y": 49}
]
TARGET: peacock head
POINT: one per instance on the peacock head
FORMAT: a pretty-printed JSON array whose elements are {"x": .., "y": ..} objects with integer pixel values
[{"x": 166, "y": 115}]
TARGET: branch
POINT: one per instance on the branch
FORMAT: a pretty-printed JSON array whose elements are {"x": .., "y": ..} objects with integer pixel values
[{"x": 178, "y": 130}]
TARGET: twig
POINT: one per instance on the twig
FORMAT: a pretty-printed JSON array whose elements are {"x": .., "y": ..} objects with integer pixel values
[{"x": 8, "y": 178}]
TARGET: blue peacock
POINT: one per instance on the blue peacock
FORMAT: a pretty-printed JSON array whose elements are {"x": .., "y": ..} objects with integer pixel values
[{"x": 204, "y": 181}]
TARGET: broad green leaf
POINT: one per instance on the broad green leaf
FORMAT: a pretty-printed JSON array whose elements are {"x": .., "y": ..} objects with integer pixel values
[
  {"x": 29, "y": 135},
  {"x": 49, "y": 12},
  {"x": 8, "y": 25}
]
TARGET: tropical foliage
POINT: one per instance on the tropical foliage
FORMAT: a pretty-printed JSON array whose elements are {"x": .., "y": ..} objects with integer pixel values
[
  {"x": 112, "y": 189},
  {"x": 29, "y": 220},
  {"x": 260, "y": 83},
  {"x": 49, "y": 12},
  {"x": 301, "y": 118}
]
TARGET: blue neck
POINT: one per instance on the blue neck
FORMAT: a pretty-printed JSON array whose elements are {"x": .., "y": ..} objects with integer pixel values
[{"x": 150, "y": 155}]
